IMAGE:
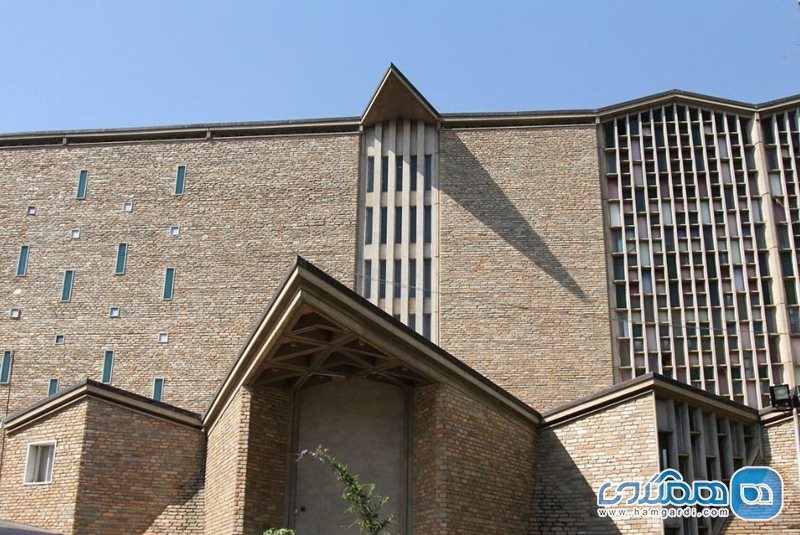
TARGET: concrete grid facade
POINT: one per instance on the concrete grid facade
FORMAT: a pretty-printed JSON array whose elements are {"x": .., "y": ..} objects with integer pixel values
[{"x": 645, "y": 252}]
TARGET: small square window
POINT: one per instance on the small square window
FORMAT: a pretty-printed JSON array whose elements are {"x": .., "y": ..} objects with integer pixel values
[
  {"x": 15, "y": 313},
  {"x": 114, "y": 312},
  {"x": 39, "y": 466},
  {"x": 174, "y": 231},
  {"x": 76, "y": 233},
  {"x": 127, "y": 207},
  {"x": 31, "y": 210},
  {"x": 60, "y": 339},
  {"x": 163, "y": 338}
]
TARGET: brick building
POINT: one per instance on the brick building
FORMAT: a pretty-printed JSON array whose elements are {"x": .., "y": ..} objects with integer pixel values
[{"x": 488, "y": 315}]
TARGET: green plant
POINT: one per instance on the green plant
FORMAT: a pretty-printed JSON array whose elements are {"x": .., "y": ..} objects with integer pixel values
[
  {"x": 363, "y": 505},
  {"x": 279, "y": 531}
]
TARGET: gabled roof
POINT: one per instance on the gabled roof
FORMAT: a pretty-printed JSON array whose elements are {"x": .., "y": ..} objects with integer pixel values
[
  {"x": 395, "y": 98},
  {"x": 644, "y": 384},
  {"x": 308, "y": 292},
  {"x": 117, "y": 396}
]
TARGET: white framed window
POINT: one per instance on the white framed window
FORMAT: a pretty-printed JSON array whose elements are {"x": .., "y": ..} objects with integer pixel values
[
  {"x": 39, "y": 464},
  {"x": 127, "y": 207},
  {"x": 163, "y": 338},
  {"x": 76, "y": 233},
  {"x": 175, "y": 231},
  {"x": 114, "y": 312}
]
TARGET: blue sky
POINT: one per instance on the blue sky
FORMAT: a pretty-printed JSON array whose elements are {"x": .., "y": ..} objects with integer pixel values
[{"x": 105, "y": 64}]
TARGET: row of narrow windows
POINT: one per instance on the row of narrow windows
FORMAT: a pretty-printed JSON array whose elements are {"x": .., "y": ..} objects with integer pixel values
[
  {"x": 83, "y": 182},
  {"x": 400, "y": 223},
  {"x": 119, "y": 269},
  {"x": 53, "y": 383},
  {"x": 398, "y": 159}
]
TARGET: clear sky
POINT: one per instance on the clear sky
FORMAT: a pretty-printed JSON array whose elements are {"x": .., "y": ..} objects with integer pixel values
[{"x": 103, "y": 64}]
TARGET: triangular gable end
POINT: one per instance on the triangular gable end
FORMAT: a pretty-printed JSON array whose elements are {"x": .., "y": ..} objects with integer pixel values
[{"x": 397, "y": 98}]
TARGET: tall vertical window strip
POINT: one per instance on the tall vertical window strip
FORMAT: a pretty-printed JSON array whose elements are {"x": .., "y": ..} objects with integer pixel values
[
  {"x": 398, "y": 224},
  {"x": 368, "y": 227},
  {"x": 412, "y": 278},
  {"x": 370, "y": 174},
  {"x": 397, "y": 270},
  {"x": 367, "y": 278},
  {"x": 427, "y": 221},
  {"x": 52, "y": 387},
  {"x": 22, "y": 264},
  {"x": 66, "y": 289},
  {"x": 82, "y": 181},
  {"x": 158, "y": 389},
  {"x": 5, "y": 370},
  {"x": 122, "y": 253},
  {"x": 412, "y": 224},
  {"x": 382, "y": 279},
  {"x": 426, "y": 278},
  {"x": 398, "y": 160},
  {"x": 412, "y": 175},
  {"x": 384, "y": 224},
  {"x": 385, "y": 174},
  {"x": 108, "y": 366},
  {"x": 180, "y": 180},
  {"x": 169, "y": 283},
  {"x": 428, "y": 171}
]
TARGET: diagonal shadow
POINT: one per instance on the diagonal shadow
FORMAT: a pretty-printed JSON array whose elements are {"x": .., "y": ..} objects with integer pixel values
[{"x": 468, "y": 183}]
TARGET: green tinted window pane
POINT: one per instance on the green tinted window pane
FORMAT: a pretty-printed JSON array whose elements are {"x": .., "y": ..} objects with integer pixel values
[
  {"x": 5, "y": 370},
  {"x": 180, "y": 180},
  {"x": 158, "y": 389},
  {"x": 66, "y": 291},
  {"x": 122, "y": 252},
  {"x": 82, "y": 181},
  {"x": 108, "y": 366},
  {"x": 169, "y": 282},
  {"x": 22, "y": 264},
  {"x": 52, "y": 387}
]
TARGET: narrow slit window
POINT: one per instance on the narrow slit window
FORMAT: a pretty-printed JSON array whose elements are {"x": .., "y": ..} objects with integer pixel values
[
  {"x": 382, "y": 279},
  {"x": 412, "y": 321},
  {"x": 412, "y": 278},
  {"x": 370, "y": 174},
  {"x": 368, "y": 227},
  {"x": 52, "y": 386},
  {"x": 426, "y": 278},
  {"x": 385, "y": 174},
  {"x": 397, "y": 285},
  {"x": 412, "y": 175},
  {"x": 122, "y": 254},
  {"x": 398, "y": 175},
  {"x": 384, "y": 224},
  {"x": 367, "y": 278},
  {"x": 180, "y": 180},
  {"x": 66, "y": 289},
  {"x": 428, "y": 172},
  {"x": 426, "y": 326},
  {"x": 108, "y": 366},
  {"x": 428, "y": 223},
  {"x": 398, "y": 224},
  {"x": 83, "y": 178},
  {"x": 39, "y": 465},
  {"x": 169, "y": 283},
  {"x": 158, "y": 389},
  {"x": 412, "y": 224},
  {"x": 5, "y": 368},
  {"x": 22, "y": 263}
]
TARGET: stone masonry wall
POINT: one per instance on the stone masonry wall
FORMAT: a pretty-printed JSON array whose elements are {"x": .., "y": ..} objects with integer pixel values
[
  {"x": 250, "y": 206},
  {"x": 226, "y": 468},
  {"x": 523, "y": 290},
  {"x": 268, "y": 448},
  {"x": 139, "y": 474},
  {"x": 473, "y": 465},
  {"x": 575, "y": 458},
  {"x": 57, "y": 500},
  {"x": 779, "y": 453}
]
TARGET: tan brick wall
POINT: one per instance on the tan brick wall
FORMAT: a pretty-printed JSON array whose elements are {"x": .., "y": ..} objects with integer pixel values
[
  {"x": 139, "y": 474},
  {"x": 779, "y": 453},
  {"x": 575, "y": 458},
  {"x": 249, "y": 207},
  {"x": 523, "y": 287},
  {"x": 226, "y": 468},
  {"x": 473, "y": 466},
  {"x": 267, "y": 452},
  {"x": 50, "y": 506}
]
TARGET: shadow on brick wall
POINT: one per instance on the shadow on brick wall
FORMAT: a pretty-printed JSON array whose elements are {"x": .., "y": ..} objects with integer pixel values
[
  {"x": 473, "y": 188},
  {"x": 563, "y": 501}
]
